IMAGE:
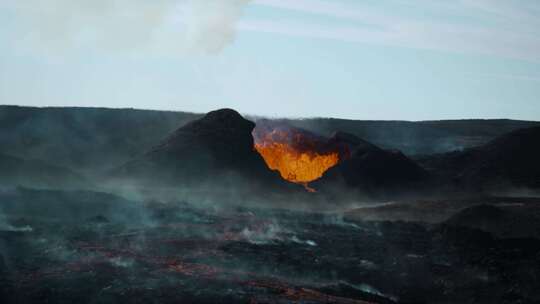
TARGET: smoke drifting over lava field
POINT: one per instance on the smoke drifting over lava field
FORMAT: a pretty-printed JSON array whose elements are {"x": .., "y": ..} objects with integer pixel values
[{"x": 131, "y": 206}]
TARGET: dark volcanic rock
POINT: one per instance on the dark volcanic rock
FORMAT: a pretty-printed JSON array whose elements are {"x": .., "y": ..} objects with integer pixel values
[
  {"x": 98, "y": 219},
  {"x": 3, "y": 267},
  {"x": 212, "y": 149},
  {"x": 500, "y": 221},
  {"x": 508, "y": 161},
  {"x": 372, "y": 169},
  {"x": 224, "y": 134},
  {"x": 477, "y": 214},
  {"x": 257, "y": 255}
]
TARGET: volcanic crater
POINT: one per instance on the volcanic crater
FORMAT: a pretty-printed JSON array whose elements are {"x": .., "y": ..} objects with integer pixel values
[{"x": 298, "y": 155}]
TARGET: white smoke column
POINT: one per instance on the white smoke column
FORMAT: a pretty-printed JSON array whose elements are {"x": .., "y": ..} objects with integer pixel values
[
  {"x": 165, "y": 25},
  {"x": 211, "y": 24}
]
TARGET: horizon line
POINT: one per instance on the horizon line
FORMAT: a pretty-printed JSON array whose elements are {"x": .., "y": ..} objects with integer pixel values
[{"x": 259, "y": 116}]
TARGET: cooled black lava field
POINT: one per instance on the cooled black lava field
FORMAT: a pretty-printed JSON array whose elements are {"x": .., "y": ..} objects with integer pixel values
[
  {"x": 178, "y": 253},
  {"x": 217, "y": 208}
]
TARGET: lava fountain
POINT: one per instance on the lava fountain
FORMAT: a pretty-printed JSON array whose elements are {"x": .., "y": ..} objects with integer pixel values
[{"x": 299, "y": 156}]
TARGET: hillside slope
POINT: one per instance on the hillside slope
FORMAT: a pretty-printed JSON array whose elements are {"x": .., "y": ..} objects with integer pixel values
[{"x": 86, "y": 139}]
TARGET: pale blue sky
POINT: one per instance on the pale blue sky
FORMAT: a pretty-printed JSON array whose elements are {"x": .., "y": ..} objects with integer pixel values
[{"x": 377, "y": 59}]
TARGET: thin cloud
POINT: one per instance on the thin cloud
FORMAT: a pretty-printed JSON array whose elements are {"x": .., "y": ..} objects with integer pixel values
[
  {"x": 506, "y": 76},
  {"x": 501, "y": 36}
]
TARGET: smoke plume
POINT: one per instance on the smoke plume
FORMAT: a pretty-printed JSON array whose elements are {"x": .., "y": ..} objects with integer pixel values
[{"x": 158, "y": 25}]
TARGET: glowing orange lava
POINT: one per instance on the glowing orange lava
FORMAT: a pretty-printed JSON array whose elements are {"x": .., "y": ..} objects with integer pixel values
[{"x": 296, "y": 165}]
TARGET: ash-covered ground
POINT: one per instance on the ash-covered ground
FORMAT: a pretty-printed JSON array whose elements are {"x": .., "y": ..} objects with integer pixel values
[{"x": 118, "y": 251}]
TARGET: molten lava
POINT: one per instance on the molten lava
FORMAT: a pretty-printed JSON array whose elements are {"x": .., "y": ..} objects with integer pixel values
[
  {"x": 299, "y": 156},
  {"x": 295, "y": 166}
]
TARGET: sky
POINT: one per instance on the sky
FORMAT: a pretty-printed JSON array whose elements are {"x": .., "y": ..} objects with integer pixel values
[{"x": 356, "y": 59}]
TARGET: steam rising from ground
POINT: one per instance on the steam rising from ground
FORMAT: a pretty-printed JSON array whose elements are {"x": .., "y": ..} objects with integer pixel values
[
  {"x": 6, "y": 226},
  {"x": 160, "y": 25}
]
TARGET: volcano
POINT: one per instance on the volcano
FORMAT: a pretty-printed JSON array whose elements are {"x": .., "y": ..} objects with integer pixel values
[
  {"x": 222, "y": 149},
  {"x": 370, "y": 169},
  {"x": 320, "y": 163},
  {"x": 217, "y": 149}
]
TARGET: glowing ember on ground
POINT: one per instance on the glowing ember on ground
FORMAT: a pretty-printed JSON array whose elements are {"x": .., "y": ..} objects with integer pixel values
[{"x": 300, "y": 157}]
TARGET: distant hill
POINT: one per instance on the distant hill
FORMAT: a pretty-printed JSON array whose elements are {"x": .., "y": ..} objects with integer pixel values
[
  {"x": 87, "y": 139},
  {"x": 511, "y": 160},
  {"x": 417, "y": 138},
  {"x": 16, "y": 171},
  {"x": 97, "y": 139},
  {"x": 372, "y": 170},
  {"x": 501, "y": 221}
]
